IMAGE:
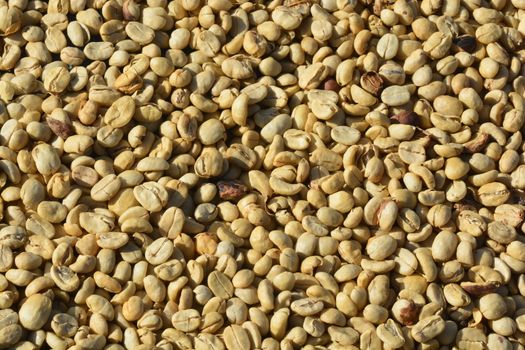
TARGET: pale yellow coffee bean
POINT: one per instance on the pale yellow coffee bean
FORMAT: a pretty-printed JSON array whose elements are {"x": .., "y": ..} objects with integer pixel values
[
  {"x": 35, "y": 311},
  {"x": 152, "y": 196}
]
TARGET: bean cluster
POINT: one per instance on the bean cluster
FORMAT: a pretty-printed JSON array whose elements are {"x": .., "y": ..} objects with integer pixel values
[{"x": 283, "y": 174}]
